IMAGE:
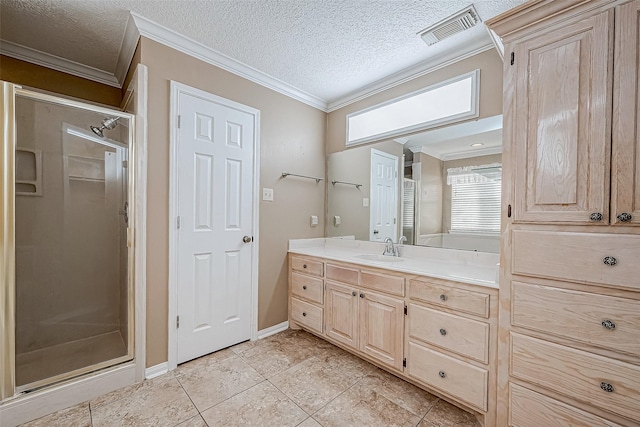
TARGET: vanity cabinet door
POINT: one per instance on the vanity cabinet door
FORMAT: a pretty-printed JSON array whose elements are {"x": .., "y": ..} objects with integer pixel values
[
  {"x": 382, "y": 328},
  {"x": 341, "y": 321},
  {"x": 563, "y": 88}
]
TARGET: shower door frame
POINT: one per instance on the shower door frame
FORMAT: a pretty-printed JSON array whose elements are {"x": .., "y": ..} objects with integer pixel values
[{"x": 9, "y": 93}]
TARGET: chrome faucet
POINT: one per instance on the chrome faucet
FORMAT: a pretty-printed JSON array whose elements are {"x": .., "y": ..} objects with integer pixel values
[{"x": 389, "y": 248}]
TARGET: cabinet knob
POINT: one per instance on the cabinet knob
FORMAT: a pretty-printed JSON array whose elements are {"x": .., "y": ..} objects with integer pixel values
[
  {"x": 442, "y": 374},
  {"x": 304, "y": 265},
  {"x": 304, "y": 287},
  {"x": 304, "y": 314},
  {"x": 354, "y": 293},
  {"x": 443, "y": 297},
  {"x": 608, "y": 324},
  {"x": 607, "y": 387},
  {"x": 361, "y": 295},
  {"x": 443, "y": 332},
  {"x": 596, "y": 216},
  {"x": 610, "y": 260},
  {"x": 624, "y": 217}
]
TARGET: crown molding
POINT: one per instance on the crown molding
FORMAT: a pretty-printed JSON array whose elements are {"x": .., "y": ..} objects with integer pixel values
[
  {"x": 177, "y": 41},
  {"x": 479, "y": 45},
  {"x": 57, "y": 63},
  {"x": 127, "y": 50},
  {"x": 475, "y": 152}
]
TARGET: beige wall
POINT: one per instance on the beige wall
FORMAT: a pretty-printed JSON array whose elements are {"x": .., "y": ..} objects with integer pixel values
[
  {"x": 354, "y": 165},
  {"x": 27, "y": 74},
  {"x": 488, "y": 62},
  {"x": 292, "y": 138},
  {"x": 430, "y": 197}
]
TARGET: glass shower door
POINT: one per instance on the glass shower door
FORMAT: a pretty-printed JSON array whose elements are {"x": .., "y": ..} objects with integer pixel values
[{"x": 73, "y": 293}]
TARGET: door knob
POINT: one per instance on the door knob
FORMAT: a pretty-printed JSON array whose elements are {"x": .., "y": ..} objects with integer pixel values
[
  {"x": 247, "y": 239},
  {"x": 376, "y": 231}
]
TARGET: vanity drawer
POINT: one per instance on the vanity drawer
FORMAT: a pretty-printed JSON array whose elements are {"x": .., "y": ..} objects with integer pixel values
[
  {"x": 307, "y": 287},
  {"x": 598, "y": 320},
  {"x": 307, "y": 315},
  {"x": 389, "y": 284},
  {"x": 460, "y": 335},
  {"x": 579, "y": 257},
  {"x": 343, "y": 274},
  {"x": 452, "y": 376},
  {"x": 446, "y": 296},
  {"x": 531, "y": 409},
  {"x": 307, "y": 266},
  {"x": 600, "y": 381}
]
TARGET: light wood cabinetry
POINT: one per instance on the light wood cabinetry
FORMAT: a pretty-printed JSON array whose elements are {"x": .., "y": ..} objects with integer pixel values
[
  {"x": 437, "y": 334},
  {"x": 569, "y": 340}
]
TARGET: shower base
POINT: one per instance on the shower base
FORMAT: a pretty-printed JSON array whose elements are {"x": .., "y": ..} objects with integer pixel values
[{"x": 38, "y": 365}]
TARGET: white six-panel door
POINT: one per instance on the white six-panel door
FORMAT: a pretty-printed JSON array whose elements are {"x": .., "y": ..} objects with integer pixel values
[
  {"x": 384, "y": 196},
  {"x": 215, "y": 153}
]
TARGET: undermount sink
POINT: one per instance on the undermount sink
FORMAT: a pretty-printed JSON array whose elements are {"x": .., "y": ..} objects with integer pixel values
[{"x": 380, "y": 258}]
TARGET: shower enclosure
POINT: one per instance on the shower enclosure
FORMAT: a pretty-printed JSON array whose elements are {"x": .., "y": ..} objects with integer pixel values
[{"x": 73, "y": 281}]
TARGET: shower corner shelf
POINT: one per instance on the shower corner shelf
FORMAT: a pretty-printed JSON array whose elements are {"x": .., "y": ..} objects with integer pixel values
[{"x": 28, "y": 172}]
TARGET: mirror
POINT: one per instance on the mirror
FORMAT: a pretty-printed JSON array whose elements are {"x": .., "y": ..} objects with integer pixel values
[{"x": 438, "y": 188}]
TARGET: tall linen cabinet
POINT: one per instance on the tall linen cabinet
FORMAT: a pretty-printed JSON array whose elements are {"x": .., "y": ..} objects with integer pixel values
[{"x": 569, "y": 337}]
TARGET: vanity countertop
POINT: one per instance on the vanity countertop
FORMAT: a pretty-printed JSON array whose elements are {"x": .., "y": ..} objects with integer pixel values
[{"x": 477, "y": 268}]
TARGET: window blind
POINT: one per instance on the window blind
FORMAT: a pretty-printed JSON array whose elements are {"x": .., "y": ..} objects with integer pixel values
[{"x": 475, "y": 200}]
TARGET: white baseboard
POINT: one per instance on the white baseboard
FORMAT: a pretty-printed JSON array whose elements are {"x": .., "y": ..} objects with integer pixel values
[
  {"x": 37, "y": 404},
  {"x": 273, "y": 330},
  {"x": 156, "y": 371}
]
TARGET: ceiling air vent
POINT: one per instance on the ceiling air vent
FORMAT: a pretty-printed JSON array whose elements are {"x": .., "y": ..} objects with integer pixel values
[{"x": 456, "y": 23}]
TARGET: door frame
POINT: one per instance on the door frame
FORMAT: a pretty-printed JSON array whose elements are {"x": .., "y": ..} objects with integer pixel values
[{"x": 176, "y": 89}]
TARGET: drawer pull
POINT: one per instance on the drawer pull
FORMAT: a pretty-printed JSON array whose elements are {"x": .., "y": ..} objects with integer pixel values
[
  {"x": 443, "y": 332},
  {"x": 610, "y": 260},
  {"x": 624, "y": 217},
  {"x": 361, "y": 295},
  {"x": 596, "y": 216},
  {"x": 443, "y": 297},
  {"x": 354, "y": 293},
  {"x": 607, "y": 387},
  {"x": 304, "y": 287},
  {"x": 304, "y": 265},
  {"x": 443, "y": 374},
  {"x": 304, "y": 314},
  {"x": 608, "y": 324}
]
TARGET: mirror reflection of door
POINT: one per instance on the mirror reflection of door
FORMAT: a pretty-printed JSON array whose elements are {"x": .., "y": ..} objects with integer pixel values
[{"x": 384, "y": 196}]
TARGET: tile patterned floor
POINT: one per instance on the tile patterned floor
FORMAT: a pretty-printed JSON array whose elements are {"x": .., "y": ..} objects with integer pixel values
[{"x": 289, "y": 379}]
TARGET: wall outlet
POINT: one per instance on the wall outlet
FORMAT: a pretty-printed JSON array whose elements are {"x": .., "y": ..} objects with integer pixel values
[
  {"x": 337, "y": 220},
  {"x": 314, "y": 220},
  {"x": 365, "y": 202},
  {"x": 267, "y": 194}
]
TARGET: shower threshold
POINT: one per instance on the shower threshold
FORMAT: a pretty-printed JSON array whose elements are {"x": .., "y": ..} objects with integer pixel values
[{"x": 48, "y": 365}]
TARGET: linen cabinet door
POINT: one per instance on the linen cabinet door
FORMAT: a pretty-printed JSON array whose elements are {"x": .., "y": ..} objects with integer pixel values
[
  {"x": 625, "y": 161},
  {"x": 563, "y": 123},
  {"x": 341, "y": 321},
  {"x": 382, "y": 328}
]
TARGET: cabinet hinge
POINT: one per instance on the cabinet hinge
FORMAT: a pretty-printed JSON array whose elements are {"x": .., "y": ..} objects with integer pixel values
[
  {"x": 177, "y": 322},
  {"x": 513, "y": 58},
  {"x": 508, "y": 211},
  {"x": 180, "y": 117},
  {"x": 404, "y": 362},
  {"x": 177, "y": 222},
  {"x": 405, "y": 310}
]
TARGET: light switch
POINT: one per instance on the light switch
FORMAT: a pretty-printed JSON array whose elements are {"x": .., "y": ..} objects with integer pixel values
[
  {"x": 365, "y": 202},
  {"x": 314, "y": 220},
  {"x": 267, "y": 194},
  {"x": 337, "y": 220}
]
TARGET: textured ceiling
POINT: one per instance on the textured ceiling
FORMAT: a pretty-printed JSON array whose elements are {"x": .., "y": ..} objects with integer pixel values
[{"x": 327, "y": 48}]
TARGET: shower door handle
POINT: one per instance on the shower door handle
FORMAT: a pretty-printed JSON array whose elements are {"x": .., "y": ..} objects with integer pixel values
[{"x": 125, "y": 212}]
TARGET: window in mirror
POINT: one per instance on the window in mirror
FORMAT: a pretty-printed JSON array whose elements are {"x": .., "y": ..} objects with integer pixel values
[
  {"x": 446, "y": 102},
  {"x": 475, "y": 198}
]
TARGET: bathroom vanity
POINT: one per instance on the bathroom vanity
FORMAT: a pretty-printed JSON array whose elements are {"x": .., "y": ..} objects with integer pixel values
[{"x": 429, "y": 317}]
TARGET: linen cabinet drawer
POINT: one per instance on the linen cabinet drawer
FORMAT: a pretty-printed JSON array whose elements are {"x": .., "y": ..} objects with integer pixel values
[
  {"x": 603, "y": 382},
  {"x": 446, "y": 296},
  {"x": 455, "y": 377},
  {"x": 599, "y": 320},
  {"x": 531, "y": 409},
  {"x": 306, "y": 314},
  {"x": 389, "y": 284},
  {"x": 307, "y": 287},
  {"x": 460, "y": 335},
  {"x": 580, "y": 257},
  {"x": 343, "y": 274},
  {"x": 315, "y": 268}
]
